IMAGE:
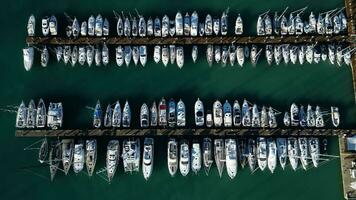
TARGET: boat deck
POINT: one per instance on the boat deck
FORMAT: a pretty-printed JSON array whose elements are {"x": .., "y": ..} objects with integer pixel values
[
  {"x": 346, "y": 159},
  {"x": 181, "y": 132}
]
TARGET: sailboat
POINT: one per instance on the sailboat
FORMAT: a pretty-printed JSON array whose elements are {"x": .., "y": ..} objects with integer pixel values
[
  {"x": 328, "y": 24},
  {"x": 41, "y": 114},
  {"x": 157, "y": 54},
  {"x": 276, "y": 24},
  {"x": 314, "y": 150},
  {"x": 108, "y": 116},
  {"x": 54, "y": 158},
  {"x": 231, "y": 157},
  {"x": 82, "y": 55},
  {"x": 105, "y": 55},
  {"x": 268, "y": 25},
  {"x": 172, "y": 28},
  {"x": 172, "y": 54},
  {"x": 219, "y": 154},
  {"x": 317, "y": 54},
  {"x": 142, "y": 29},
  {"x": 242, "y": 151},
  {"x": 284, "y": 25},
  {"x": 31, "y": 25},
  {"x": 320, "y": 26},
  {"x": 301, "y": 54},
  {"x": 78, "y": 157},
  {"x": 59, "y": 53},
  {"x": 309, "y": 53},
  {"x": 143, "y": 55},
  {"x": 207, "y": 154},
  {"x": 90, "y": 55},
  {"x": 232, "y": 54},
  {"x": 97, "y": 115},
  {"x": 149, "y": 27},
  {"x": 91, "y": 25},
  {"x": 256, "y": 119},
  {"x": 43, "y": 151},
  {"x": 293, "y": 152},
  {"x": 293, "y": 52},
  {"x": 196, "y": 157},
  {"x": 319, "y": 120},
  {"x": 112, "y": 158},
  {"x": 312, "y": 23},
  {"x": 286, "y": 119},
  {"x": 264, "y": 118},
  {"x": 254, "y": 55},
  {"x": 286, "y": 53},
  {"x": 153, "y": 115},
  {"x": 246, "y": 114},
  {"x": 44, "y": 57},
  {"x": 302, "y": 117},
  {"x": 294, "y": 114},
  {"x": 128, "y": 55},
  {"x": 269, "y": 54},
  {"x": 97, "y": 56},
  {"x": 134, "y": 27},
  {"x": 119, "y": 55},
  {"x": 224, "y": 55},
  {"x": 162, "y": 113},
  {"x": 135, "y": 54},
  {"x": 260, "y": 26},
  {"x": 147, "y": 158},
  {"x": 272, "y": 121},
  {"x": 116, "y": 116},
  {"x": 337, "y": 24},
  {"x": 119, "y": 26},
  {"x": 172, "y": 156},
  {"x": 261, "y": 153},
  {"x": 127, "y": 27},
  {"x": 194, "y": 53},
  {"x": 224, "y": 22},
  {"x": 194, "y": 21},
  {"x": 98, "y": 26},
  {"x": 303, "y": 146},
  {"x": 272, "y": 154},
  {"x": 74, "y": 56},
  {"x": 31, "y": 115},
  {"x": 209, "y": 54},
  {"x": 126, "y": 115},
  {"x": 251, "y": 156},
  {"x": 186, "y": 26},
  {"x": 184, "y": 158},
  {"x": 282, "y": 151},
  {"x": 180, "y": 113},
  {"x": 106, "y": 27},
  {"x": 90, "y": 155},
  {"x": 67, "y": 154},
  {"x": 310, "y": 116},
  {"x": 157, "y": 30},
  {"x": 299, "y": 25}
]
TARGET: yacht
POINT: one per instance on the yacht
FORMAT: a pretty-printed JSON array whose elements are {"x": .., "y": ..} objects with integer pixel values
[
  {"x": 216, "y": 26},
  {"x": 53, "y": 25},
  {"x": 209, "y": 119},
  {"x": 236, "y": 112},
  {"x": 119, "y": 56},
  {"x": 194, "y": 24},
  {"x": 301, "y": 54},
  {"x": 134, "y": 27},
  {"x": 284, "y": 25},
  {"x": 309, "y": 53},
  {"x": 55, "y": 115},
  {"x": 246, "y": 114},
  {"x": 97, "y": 56},
  {"x": 232, "y": 54},
  {"x": 112, "y": 158},
  {"x": 312, "y": 23},
  {"x": 90, "y": 55},
  {"x": 180, "y": 113},
  {"x": 67, "y": 154},
  {"x": 153, "y": 115},
  {"x": 199, "y": 113},
  {"x": 239, "y": 28},
  {"x": 149, "y": 27},
  {"x": 78, "y": 157},
  {"x": 135, "y": 54},
  {"x": 184, "y": 158},
  {"x": 142, "y": 29},
  {"x": 126, "y": 115},
  {"x": 31, "y": 25},
  {"x": 172, "y": 54},
  {"x": 272, "y": 154},
  {"x": 43, "y": 151},
  {"x": 44, "y": 57},
  {"x": 179, "y": 24},
  {"x": 293, "y": 152},
  {"x": 231, "y": 157},
  {"x": 207, "y": 154},
  {"x": 144, "y": 116},
  {"x": 286, "y": 53},
  {"x": 120, "y": 26},
  {"x": 75, "y": 28},
  {"x": 196, "y": 157},
  {"x": 106, "y": 27},
  {"x": 256, "y": 119},
  {"x": 116, "y": 116},
  {"x": 127, "y": 27},
  {"x": 54, "y": 158},
  {"x": 91, "y": 25},
  {"x": 282, "y": 151},
  {"x": 302, "y": 117},
  {"x": 319, "y": 120},
  {"x": 240, "y": 55},
  {"x": 105, "y": 55},
  {"x": 314, "y": 150},
  {"x": 157, "y": 54},
  {"x": 131, "y": 155},
  {"x": 227, "y": 114},
  {"x": 143, "y": 55},
  {"x": 303, "y": 146},
  {"x": 335, "y": 116},
  {"x": 172, "y": 118},
  {"x": 108, "y": 116},
  {"x": 219, "y": 154},
  {"x": 299, "y": 25},
  {"x": 262, "y": 153},
  {"x": 148, "y": 158},
  {"x": 310, "y": 116},
  {"x": 165, "y": 26},
  {"x": 293, "y": 52},
  {"x": 97, "y": 115},
  {"x": 224, "y": 22},
  {"x": 157, "y": 30},
  {"x": 217, "y": 54},
  {"x": 162, "y": 113},
  {"x": 268, "y": 25},
  {"x": 45, "y": 26},
  {"x": 269, "y": 54},
  {"x": 195, "y": 53},
  {"x": 286, "y": 119},
  {"x": 186, "y": 26},
  {"x": 21, "y": 116},
  {"x": 172, "y": 28},
  {"x": 294, "y": 116},
  {"x": 41, "y": 114},
  {"x": 128, "y": 55},
  {"x": 31, "y": 115},
  {"x": 172, "y": 157},
  {"x": 90, "y": 155},
  {"x": 82, "y": 55},
  {"x": 251, "y": 156},
  {"x": 210, "y": 54},
  {"x": 208, "y": 25},
  {"x": 217, "y": 114},
  {"x": 99, "y": 26},
  {"x": 260, "y": 26},
  {"x": 59, "y": 53},
  {"x": 165, "y": 55}
]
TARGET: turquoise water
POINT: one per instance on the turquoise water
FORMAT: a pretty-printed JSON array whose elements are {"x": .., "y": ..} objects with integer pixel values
[{"x": 278, "y": 86}]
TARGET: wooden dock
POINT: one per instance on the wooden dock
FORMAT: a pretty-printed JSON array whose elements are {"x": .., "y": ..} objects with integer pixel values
[{"x": 181, "y": 132}]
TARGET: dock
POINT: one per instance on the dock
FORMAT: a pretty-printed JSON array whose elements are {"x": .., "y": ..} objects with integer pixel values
[
  {"x": 351, "y": 18},
  {"x": 181, "y": 132},
  {"x": 346, "y": 159}
]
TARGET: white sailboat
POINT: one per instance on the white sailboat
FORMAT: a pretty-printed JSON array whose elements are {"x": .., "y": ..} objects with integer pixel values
[
  {"x": 165, "y": 26},
  {"x": 231, "y": 157},
  {"x": 165, "y": 55},
  {"x": 303, "y": 146},
  {"x": 335, "y": 116},
  {"x": 117, "y": 115},
  {"x": 126, "y": 115},
  {"x": 261, "y": 153},
  {"x": 293, "y": 152},
  {"x": 314, "y": 150},
  {"x": 282, "y": 151},
  {"x": 207, "y": 154},
  {"x": 208, "y": 25},
  {"x": 272, "y": 154},
  {"x": 91, "y": 25},
  {"x": 143, "y": 55},
  {"x": 112, "y": 158}
]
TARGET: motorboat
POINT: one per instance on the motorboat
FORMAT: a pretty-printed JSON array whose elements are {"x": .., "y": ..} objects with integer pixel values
[
  {"x": 41, "y": 114},
  {"x": 227, "y": 114},
  {"x": 74, "y": 56},
  {"x": 180, "y": 113},
  {"x": 180, "y": 56},
  {"x": 78, "y": 157},
  {"x": 282, "y": 151},
  {"x": 135, "y": 54},
  {"x": 172, "y": 28},
  {"x": 216, "y": 26},
  {"x": 127, "y": 27},
  {"x": 196, "y": 157},
  {"x": 82, "y": 55},
  {"x": 75, "y": 28},
  {"x": 116, "y": 115},
  {"x": 251, "y": 156},
  {"x": 184, "y": 158},
  {"x": 165, "y": 26},
  {"x": 293, "y": 53},
  {"x": 162, "y": 113},
  {"x": 309, "y": 53},
  {"x": 207, "y": 154},
  {"x": 239, "y": 28},
  {"x": 272, "y": 121},
  {"x": 208, "y": 26},
  {"x": 53, "y": 25},
  {"x": 312, "y": 23},
  {"x": 231, "y": 157},
  {"x": 294, "y": 115},
  {"x": 301, "y": 54},
  {"x": 236, "y": 113},
  {"x": 148, "y": 158},
  {"x": 157, "y": 30},
  {"x": 201, "y": 29},
  {"x": 126, "y": 115},
  {"x": 194, "y": 22},
  {"x": 260, "y": 26},
  {"x": 172, "y": 115},
  {"x": 232, "y": 54},
  {"x": 194, "y": 53},
  {"x": 134, "y": 27},
  {"x": 55, "y": 115},
  {"x": 91, "y": 25},
  {"x": 293, "y": 152},
  {"x": 199, "y": 113},
  {"x": 157, "y": 54},
  {"x": 317, "y": 54},
  {"x": 240, "y": 55},
  {"x": 43, "y": 151},
  {"x": 303, "y": 146},
  {"x": 299, "y": 25},
  {"x": 44, "y": 57},
  {"x": 179, "y": 24},
  {"x": 142, "y": 28},
  {"x": 90, "y": 155},
  {"x": 153, "y": 115},
  {"x": 108, "y": 116},
  {"x": 314, "y": 150},
  {"x": 112, "y": 158},
  {"x": 217, "y": 54},
  {"x": 268, "y": 25},
  {"x": 217, "y": 113},
  {"x": 172, "y": 53},
  {"x": 45, "y": 26},
  {"x": 219, "y": 154},
  {"x": 105, "y": 55},
  {"x": 67, "y": 52},
  {"x": 119, "y": 55},
  {"x": 131, "y": 155},
  {"x": 284, "y": 25},
  {"x": 254, "y": 55},
  {"x": 256, "y": 119},
  {"x": 269, "y": 54},
  {"x": 172, "y": 156},
  {"x": 224, "y": 55},
  {"x": 54, "y": 158},
  {"x": 210, "y": 54},
  {"x": 310, "y": 116},
  {"x": 272, "y": 154},
  {"x": 105, "y": 27},
  {"x": 246, "y": 114},
  {"x": 286, "y": 53},
  {"x": 31, "y": 115},
  {"x": 143, "y": 55},
  {"x": 224, "y": 22},
  {"x": 319, "y": 120},
  {"x": 97, "y": 56},
  {"x": 97, "y": 116},
  {"x": 28, "y": 54},
  {"x": 150, "y": 27},
  {"x": 335, "y": 116},
  {"x": 98, "y": 26},
  {"x": 128, "y": 55},
  {"x": 186, "y": 26},
  {"x": 31, "y": 25},
  {"x": 302, "y": 117},
  {"x": 120, "y": 26},
  {"x": 261, "y": 153},
  {"x": 67, "y": 154},
  {"x": 287, "y": 119},
  {"x": 165, "y": 55},
  {"x": 246, "y": 51},
  {"x": 59, "y": 53}
]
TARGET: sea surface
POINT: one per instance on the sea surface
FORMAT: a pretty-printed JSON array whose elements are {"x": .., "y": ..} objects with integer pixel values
[{"x": 22, "y": 177}]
